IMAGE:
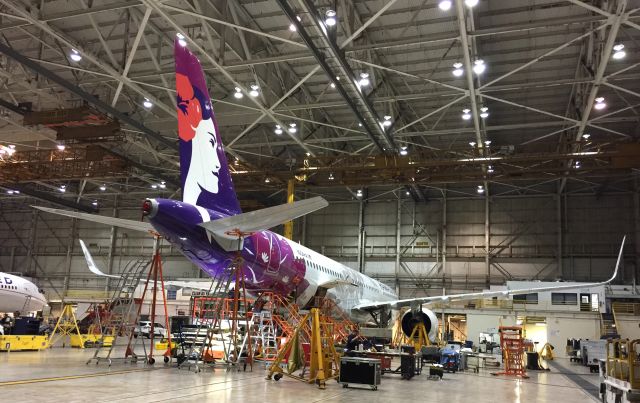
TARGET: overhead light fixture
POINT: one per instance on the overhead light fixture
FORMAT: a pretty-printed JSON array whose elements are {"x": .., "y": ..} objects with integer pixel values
[
  {"x": 332, "y": 85},
  {"x": 364, "y": 79},
  {"x": 278, "y": 130},
  {"x": 471, "y": 3},
  {"x": 95, "y": 203},
  {"x": 183, "y": 238},
  {"x": 154, "y": 186},
  {"x": 445, "y": 5},
  {"x": 331, "y": 176},
  {"x": 61, "y": 147},
  {"x": 238, "y": 93},
  {"x": 600, "y": 104},
  {"x": 63, "y": 188},
  {"x": 472, "y": 143},
  {"x": 479, "y": 67},
  {"x": 181, "y": 40},
  {"x": 484, "y": 112},
  {"x": 162, "y": 185},
  {"x": 330, "y": 19},
  {"x": 359, "y": 193},
  {"x": 359, "y": 124},
  {"x": 457, "y": 69},
  {"x": 404, "y": 151},
  {"x": 618, "y": 52},
  {"x": 586, "y": 136},
  {"x": 267, "y": 180},
  {"x": 254, "y": 90},
  {"x": 292, "y": 26},
  {"x": 487, "y": 143},
  {"x": 236, "y": 162},
  {"x": 308, "y": 154},
  {"x": 466, "y": 114},
  {"x": 103, "y": 187},
  {"x": 10, "y": 191},
  {"x": 292, "y": 128},
  {"x": 490, "y": 169},
  {"x": 407, "y": 193},
  {"x": 577, "y": 165},
  {"x": 75, "y": 55},
  {"x": 387, "y": 121},
  {"x": 480, "y": 189},
  {"x": 147, "y": 103}
]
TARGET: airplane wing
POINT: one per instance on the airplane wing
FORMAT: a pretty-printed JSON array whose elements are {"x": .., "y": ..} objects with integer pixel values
[
  {"x": 116, "y": 222},
  {"x": 486, "y": 294},
  {"x": 92, "y": 265},
  {"x": 259, "y": 220}
]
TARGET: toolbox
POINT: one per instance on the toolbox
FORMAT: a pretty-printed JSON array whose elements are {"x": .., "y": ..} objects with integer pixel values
[{"x": 359, "y": 371}]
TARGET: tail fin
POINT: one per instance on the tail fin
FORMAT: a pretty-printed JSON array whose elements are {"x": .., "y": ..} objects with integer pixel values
[{"x": 206, "y": 180}]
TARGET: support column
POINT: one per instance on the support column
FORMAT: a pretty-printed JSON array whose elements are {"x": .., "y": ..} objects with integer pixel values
[
  {"x": 444, "y": 234},
  {"x": 487, "y": 228},
  {"x": 398, "y": 241},
  {"x": 113, "y": 238},
  {"x": 636, "y": 228},
  {"x": 288, "y": 226},
  {"x": 361, "y": 237},
  {"x": 559, "y": 232}
]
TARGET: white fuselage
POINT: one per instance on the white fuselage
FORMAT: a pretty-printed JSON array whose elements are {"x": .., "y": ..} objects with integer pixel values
[
  {"x": 322, "y": 272},
  {"x": 19, "y": 295}
]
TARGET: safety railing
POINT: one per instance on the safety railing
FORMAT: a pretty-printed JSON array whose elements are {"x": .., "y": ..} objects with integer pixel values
[
  {"x": 623, "y": 361},
  {"x": 630, "y": 308}
]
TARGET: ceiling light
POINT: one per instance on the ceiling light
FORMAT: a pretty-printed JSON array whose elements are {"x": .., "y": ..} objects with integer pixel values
[
  {"x": 332, "y": 85},
  {"x": 364, "y": 79},
  {"x": 103, "y": 188},
  {"x": 407, "y": 193},
  {"x": 267, "y": 180},
  {"x": 292, "y": 128},
  {"x": 308, "y": 154},
  {"x": 359, "y": 193},
  {"x": 484, "y": 112},
  {"x": 479, "y": 67},
  {"x": 403, "y": 150},
  {"x": 63, "y": 188},
  {"x": 466, "y": 114},
  {"x": 238, "y": 93},
  {"x": 61, "y": 147},
  {"x": 95, "y": 203},
  {"x": 577, "y": 165},
  {"x": 480, "y": 189},
  {"x": 181, "y": 40},
  {"x": 445, "y": 5},
  {"x": 254, "y": 90},
  {"x": 154, "y": 186},
  {"x": 183, "y": 238},
  {"x": 292, "y": 27},
  {"x": 147, "y": 103},
  {"x": 330, "y": 19},
  {"x": 10, "y": 191},
  {"x": 490, "y": 169},
  {"x": 471, "y": 3},
  {"x": 618, "y": 52},
  {"x": 278, "y": 130},
  {"x": 586, "y": 136},
  {"x": 457, "y": 69},
  {"x": 487, "y": 143},
  {"x": 387, "y": 121},
  {"x": 600, "y": 103},
  {"x": 359, "y": 124},
  {"x": 162, "y": 185},
  {"x": 472, "y": 143},
  {"x": 236, "y": 162},
  {"x": 331, "y": 176},
  {"x": 75, "y": 55}
]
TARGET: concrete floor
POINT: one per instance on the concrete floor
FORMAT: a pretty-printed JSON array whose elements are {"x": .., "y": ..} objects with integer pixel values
[{"x": 135, "y": 383}]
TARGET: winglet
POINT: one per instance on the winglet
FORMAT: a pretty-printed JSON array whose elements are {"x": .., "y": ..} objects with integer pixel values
[{"x": 92, "y": 265}]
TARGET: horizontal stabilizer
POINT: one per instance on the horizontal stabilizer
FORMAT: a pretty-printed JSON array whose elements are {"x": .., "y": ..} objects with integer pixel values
[
  {"x": 92, "y": 265},
  {"x": 260, "y": 220},
  {"x": 488, "y": 294},
  {"x": 116, "y": 222}
]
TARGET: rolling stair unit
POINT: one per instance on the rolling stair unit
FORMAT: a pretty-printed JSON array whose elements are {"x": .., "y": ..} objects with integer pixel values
[
  {"x": 120, "y": 321},
  {"x": 263, "y": 322},
  {"x": 512, "y": 345}
]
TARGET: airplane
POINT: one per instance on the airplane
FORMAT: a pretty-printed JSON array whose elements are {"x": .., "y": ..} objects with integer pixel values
[
  {"x": 209, "y": 228},
  {"x": 19, "y": 295}
]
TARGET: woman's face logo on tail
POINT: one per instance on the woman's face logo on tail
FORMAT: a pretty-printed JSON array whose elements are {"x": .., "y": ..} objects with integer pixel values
[{"x": 192, "y": 127}]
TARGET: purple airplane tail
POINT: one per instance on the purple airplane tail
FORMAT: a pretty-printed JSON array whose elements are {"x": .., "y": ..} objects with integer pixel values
[{"x": 206, "y": 180}]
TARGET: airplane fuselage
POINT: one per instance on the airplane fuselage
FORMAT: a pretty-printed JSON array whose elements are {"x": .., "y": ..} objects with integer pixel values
[
  {"x": 270, "y": 261},
  {"x": 19, "y": 294}
]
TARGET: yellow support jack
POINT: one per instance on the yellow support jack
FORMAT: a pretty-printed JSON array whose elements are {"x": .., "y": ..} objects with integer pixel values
[
  {"x": 419, "y": 337},
  {"x": 67, "y": 325},
  {"x": 324, "y": 360}
]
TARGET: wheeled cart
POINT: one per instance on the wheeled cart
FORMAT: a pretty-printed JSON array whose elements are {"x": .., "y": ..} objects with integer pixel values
[{"x": 359, "y": 371}]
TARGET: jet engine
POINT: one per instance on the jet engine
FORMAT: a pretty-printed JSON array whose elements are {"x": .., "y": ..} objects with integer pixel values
[{"x": 411, "y": 318}]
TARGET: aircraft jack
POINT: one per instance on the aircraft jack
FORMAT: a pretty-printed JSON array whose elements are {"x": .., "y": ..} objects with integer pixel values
[
  {"x": 419, "y": 336},
  {"x": 324, "y": 360},
  {"x": 67, "y": 325}
]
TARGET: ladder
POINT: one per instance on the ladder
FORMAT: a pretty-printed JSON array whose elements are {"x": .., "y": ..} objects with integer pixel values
[
  {"x": 200, "y": 352},
  {"x": 120, "y": 322},
  {"x": 263, "y": 322},
  {"x": 512, "y": 345}
]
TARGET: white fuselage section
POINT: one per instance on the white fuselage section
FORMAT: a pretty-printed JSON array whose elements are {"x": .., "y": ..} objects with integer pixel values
[
  {"x": 324, "y": 272},
  {"x": 19, "y": 295}
]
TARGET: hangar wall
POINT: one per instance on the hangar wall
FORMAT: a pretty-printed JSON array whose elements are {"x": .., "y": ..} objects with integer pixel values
[{"x": 524, "y": 234}]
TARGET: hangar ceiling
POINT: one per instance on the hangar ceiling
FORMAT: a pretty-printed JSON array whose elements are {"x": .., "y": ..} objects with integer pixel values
[{"x": 561, "y": 110}]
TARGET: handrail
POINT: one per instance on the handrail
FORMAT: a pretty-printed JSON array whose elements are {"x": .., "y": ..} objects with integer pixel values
[{"x": 623, "y": 361}]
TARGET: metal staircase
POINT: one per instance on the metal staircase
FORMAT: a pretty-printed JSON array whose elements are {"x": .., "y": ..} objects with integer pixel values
[
  {"x": 120, "y": 322},
  {"x": 608, "y": 326}
]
